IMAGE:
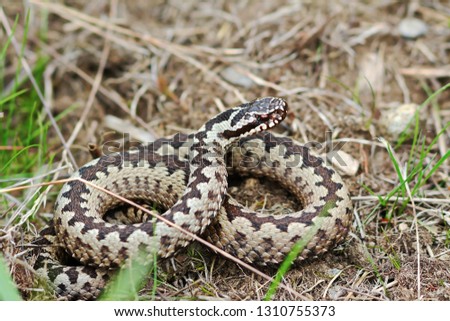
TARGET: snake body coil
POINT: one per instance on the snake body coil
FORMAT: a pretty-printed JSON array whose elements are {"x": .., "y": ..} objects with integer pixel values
[{"x": 188, "y": 176}]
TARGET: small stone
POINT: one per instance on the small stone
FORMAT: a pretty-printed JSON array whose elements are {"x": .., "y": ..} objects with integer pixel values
[
  {"x": 444, "y": 257},
  {"x": 333, "y": 272},
  {"x": 336, "y": 292},
  {"x": 403, "y": 227},
  {"x": 412, "y": 28},
  {"x": 236, "y": 78},
  {"x": 398, "y": 120},
  {"x": 343, "y": 162},
  {"x": 124, "y": 126}
]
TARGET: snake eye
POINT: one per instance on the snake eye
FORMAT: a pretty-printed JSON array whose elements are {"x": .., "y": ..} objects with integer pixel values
[{"x": 256, "y": 116}]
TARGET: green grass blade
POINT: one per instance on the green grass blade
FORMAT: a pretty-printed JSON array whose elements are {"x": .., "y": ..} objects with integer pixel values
[
  {"x": 8, "y": 290},
  {"x": 297, "y": 249},
  {"x": 17, "y": 155},
  {"x": 404, "y": 135},
  {"x": 435, "y": 139},
  {"x": 371, "y": 192},
  {"x": 438, "y": 164},
  {"x": 395, "y": 163},
  {"x": 3, "y": 51},
  {"x": 12, "y": 96},
  {"x": 415, "y": 142},
  {"x": 125, "y": 285}
]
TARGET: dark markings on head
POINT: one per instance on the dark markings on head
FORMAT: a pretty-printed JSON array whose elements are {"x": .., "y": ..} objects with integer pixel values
[
  {"x": 224, "y": 116},
  {"x": 240, "y": 114}
]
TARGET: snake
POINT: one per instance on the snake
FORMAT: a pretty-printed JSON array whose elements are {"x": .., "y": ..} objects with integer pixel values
[{"x": 186, "y": 176}]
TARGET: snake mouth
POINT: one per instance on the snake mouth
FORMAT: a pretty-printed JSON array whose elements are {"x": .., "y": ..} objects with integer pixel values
[
  {"x": 277, "y": 112},
  {"x": 272, "y": 119}
]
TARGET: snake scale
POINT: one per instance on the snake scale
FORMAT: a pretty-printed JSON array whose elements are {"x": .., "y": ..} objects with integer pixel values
[{"x": 187, "y": 176}]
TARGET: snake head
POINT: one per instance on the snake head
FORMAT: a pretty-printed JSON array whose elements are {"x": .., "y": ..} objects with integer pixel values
[{"x": 256, "y": 116}]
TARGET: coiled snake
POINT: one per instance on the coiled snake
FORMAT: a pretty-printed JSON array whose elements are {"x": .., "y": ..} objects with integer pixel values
[{"x": 187, "y": 175}]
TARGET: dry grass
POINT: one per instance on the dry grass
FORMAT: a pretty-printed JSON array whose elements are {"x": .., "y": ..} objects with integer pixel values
[{"x": 154, "y": 71}]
